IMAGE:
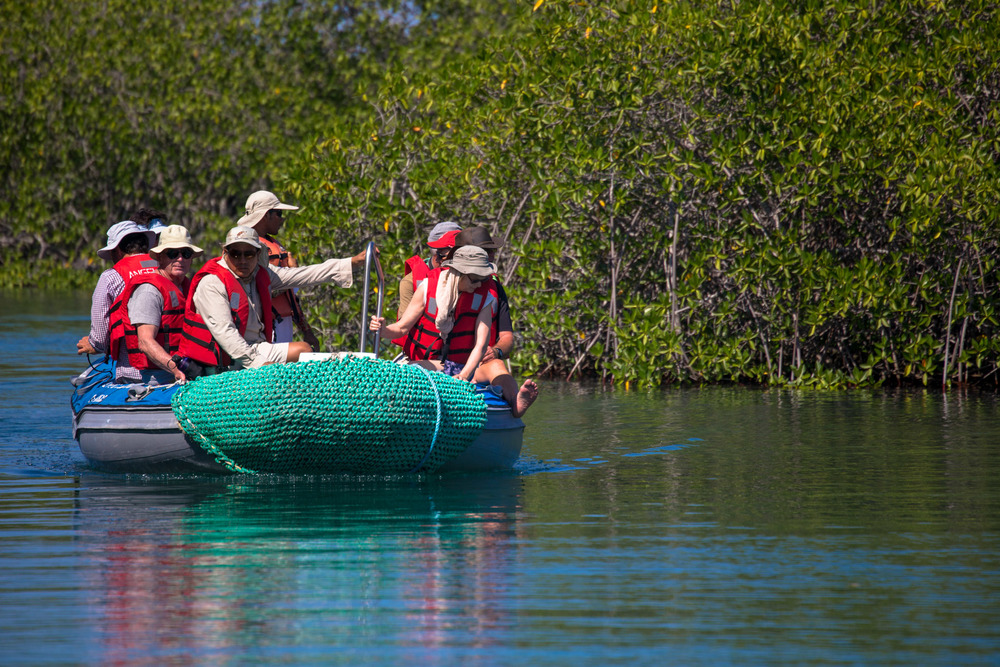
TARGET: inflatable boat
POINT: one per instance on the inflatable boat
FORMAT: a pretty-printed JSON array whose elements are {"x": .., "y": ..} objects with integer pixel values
[
  {"x": 327, "y": 413},
  {"x": 374, "y": 417}
]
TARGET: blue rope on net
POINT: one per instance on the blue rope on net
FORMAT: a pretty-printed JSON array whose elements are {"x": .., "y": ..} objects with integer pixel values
[{"x": 437, "y": 423}]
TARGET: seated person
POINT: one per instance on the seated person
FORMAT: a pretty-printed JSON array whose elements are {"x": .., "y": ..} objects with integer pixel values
[
  {"x": 502, "y": 330},
  {"x": 127, "y": 247},
  {"x": 447, "y": 323},
  {"x": 147, "y": 318},
  {"x": 492, "y": 368},
  {"x": 441, "y": 240},
  {"x": 154, "y": 221},
  {"x": 265, "y": 214},
  {"x": 229, "y": 322}
]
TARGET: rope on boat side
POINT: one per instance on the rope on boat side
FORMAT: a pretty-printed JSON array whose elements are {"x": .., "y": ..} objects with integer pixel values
[
  {"x": 437, "y": 425},
  {"x": 220, "y": 457}
]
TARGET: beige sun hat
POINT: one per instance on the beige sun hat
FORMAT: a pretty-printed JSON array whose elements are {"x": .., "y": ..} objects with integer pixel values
[
  {"x": 260, "y": 203},
  {"x": 472, "y": 261},
  {"x": 175, "y": 236},
  {"x": 242, "y": 235}
]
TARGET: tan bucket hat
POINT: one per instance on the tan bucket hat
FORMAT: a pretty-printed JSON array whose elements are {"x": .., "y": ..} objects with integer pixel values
[
  {"x": 175, "y": 236},
  {"x": 472, "y": 261}
]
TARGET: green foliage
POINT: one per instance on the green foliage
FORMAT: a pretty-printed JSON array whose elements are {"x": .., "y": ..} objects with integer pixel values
[
  {"x": 790, "y": 193},
  {"x": 186, "y": 106}
]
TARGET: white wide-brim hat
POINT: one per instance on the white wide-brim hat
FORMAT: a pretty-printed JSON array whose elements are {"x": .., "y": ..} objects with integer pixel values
[
  {"x": 119, "y": 231},
  {"x": 258, "y": 204}
]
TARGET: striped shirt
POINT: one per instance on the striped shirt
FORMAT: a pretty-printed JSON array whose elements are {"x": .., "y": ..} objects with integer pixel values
[{"x": 109, "y": 286}]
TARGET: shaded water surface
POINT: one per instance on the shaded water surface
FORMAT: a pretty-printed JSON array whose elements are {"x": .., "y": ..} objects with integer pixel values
[{"x": 695, "y": 526}]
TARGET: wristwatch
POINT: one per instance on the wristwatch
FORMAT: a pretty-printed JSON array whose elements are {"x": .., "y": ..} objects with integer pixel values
[{"x": 498, "y": 353}]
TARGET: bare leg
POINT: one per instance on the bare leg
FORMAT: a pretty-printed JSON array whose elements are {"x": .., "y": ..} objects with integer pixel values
[
  {"x": 495, "y": 373},
  {"x": 519, "y": 400},
  {"x": 525, "y": 397},
  {"x": 295, "y": 349}
]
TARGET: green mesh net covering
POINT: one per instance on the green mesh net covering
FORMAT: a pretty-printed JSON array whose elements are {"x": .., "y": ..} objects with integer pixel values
[{"x": 358, "y": 415}]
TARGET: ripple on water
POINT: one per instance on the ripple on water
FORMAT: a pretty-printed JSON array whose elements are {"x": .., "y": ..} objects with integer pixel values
[{"x": 695, "y": 527}]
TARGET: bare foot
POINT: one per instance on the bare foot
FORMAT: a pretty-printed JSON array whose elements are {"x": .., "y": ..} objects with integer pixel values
[{"x": 526, "y": 395}]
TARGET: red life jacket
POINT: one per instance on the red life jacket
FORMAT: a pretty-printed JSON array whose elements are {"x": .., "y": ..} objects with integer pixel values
[
  {"x": 424, "y": 340},
  {"x": 136, "y": 265},
  {"x": 197, "y": 342},
  {"x": 278, "y": 256},
  {"x": 416, "y": 267},
  {"x": 171, "y": 323}
]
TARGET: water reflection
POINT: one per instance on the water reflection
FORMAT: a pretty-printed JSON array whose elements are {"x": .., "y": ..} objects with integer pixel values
[
  {"x": 781, "y": 461},
  {"x": 799, "y": 528},
  {"x": 188, "y": 569}
]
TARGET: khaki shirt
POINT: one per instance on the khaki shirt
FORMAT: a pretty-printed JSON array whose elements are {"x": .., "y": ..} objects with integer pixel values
[{"x": 252, "y": 348}]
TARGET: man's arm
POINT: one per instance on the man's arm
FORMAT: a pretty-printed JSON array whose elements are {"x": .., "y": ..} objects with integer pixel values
[
  {"x": 405, "y": 293},
  {"x": 406, "y": 321},
  {"x": 145, "y": 311},
  {"x": 505, "y": 332},
  {"x": 505, "y": 342},
  {"x": 155, "y": 352},
  {"x": 337, "y": 271},
  {"x": 212, "y": 302},
  {"x": 83, "y": 346}
]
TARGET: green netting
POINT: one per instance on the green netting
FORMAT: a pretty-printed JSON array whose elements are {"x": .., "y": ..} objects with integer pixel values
[{"x": 356, "y": 415}]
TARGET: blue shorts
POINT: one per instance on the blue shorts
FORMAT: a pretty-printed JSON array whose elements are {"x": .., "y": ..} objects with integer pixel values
[{"x": 451, "y": 368}]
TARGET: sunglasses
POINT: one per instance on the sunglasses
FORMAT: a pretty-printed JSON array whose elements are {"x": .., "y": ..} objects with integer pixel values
[
  {"x": 172, "y": 253},
  {"x": 442, "y": 254},
  {"x": 246, "y": 254}
]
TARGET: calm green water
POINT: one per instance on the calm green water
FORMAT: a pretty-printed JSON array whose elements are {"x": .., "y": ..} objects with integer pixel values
[{"x": 688, "y": 527}]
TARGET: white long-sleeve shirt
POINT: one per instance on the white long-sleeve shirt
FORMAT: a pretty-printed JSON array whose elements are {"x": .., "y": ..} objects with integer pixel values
[{"x": 251, "y": 349}]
